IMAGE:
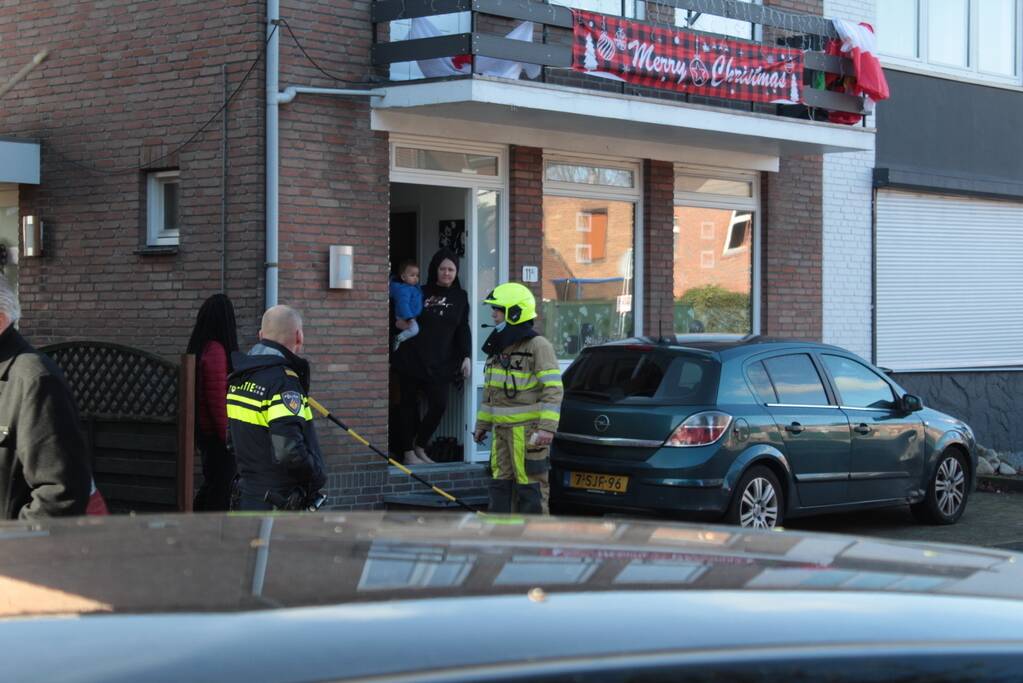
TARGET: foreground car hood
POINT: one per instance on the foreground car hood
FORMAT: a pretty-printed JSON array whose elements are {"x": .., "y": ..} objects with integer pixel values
[
  {"x": 336, "y": 592},
  {"x": 186, "y": 563}
]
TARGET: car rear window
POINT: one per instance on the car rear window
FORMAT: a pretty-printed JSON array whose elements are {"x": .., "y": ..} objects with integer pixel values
[{"x": 643, "y": 373}]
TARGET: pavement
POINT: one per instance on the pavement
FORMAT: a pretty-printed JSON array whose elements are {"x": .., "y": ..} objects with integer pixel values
[{"x": 993, "y": 518}]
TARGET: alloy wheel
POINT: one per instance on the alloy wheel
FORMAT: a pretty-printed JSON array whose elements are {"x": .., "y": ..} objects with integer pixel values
[
  {"x": 950, "y": 486},
  {"x": 758, "y": 507}
]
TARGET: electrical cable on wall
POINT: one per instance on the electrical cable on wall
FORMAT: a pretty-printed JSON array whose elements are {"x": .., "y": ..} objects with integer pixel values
[{"x": 151, "y": 164}]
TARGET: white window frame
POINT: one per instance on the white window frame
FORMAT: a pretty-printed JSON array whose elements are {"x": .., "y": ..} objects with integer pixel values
[
  {"x": 156, "y": 233},
  {"x": 583, "y": 253},
  {"x": 707, "y": 200},
  {"x": 632, "y": 194},
  {"x": 969, "y": 73},
  {"x": 422, "y": 176}
]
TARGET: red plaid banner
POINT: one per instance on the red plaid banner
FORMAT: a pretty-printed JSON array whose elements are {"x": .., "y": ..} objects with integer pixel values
[{"x": 684, "y": 61}]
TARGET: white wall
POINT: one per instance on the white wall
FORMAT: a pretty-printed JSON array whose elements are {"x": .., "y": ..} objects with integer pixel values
[{"x": 848, "y": 191}]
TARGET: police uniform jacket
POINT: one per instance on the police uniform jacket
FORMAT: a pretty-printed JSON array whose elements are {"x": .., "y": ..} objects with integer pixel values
[
  {"x": 270, "y": 422},
  {"x": 44, "y": 468}
]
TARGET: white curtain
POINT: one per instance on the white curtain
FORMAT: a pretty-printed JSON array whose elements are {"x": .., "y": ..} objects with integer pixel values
[{"x": 422, "y": 27}]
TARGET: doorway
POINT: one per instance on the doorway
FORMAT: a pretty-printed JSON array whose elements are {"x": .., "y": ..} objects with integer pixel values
[
  {"x": 9, "y": 228},
  {"x": 425, "y": 218}
]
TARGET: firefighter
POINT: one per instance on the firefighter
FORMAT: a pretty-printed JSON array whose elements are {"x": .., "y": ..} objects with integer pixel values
[
  {"x": 270, "y": 422},
  {"x": 521, "y": 402}
]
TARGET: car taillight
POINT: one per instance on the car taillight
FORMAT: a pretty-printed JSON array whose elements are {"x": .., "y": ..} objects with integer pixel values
[{"x": 700, "y": 429}]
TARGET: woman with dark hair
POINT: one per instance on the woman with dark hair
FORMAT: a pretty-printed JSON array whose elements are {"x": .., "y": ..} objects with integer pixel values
[
  {"x": 431, "y": 360},
  {"x": 213, "y": 339}
]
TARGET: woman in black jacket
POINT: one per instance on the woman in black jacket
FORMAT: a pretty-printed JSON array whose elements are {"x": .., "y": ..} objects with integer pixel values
[{"x": 431, "y": 360}]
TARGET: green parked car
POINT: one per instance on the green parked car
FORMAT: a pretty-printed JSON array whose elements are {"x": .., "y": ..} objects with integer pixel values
[{"x": 752, "y": 430}]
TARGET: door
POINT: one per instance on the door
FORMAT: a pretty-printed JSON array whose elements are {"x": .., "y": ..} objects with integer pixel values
[
  {"x": 887, "y": 444},
  {"x": 486, "y": 271},
  {"x": 815, "y": 432}
]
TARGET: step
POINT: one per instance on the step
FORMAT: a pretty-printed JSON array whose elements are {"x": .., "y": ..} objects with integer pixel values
[{"x": 428, "y": 500}]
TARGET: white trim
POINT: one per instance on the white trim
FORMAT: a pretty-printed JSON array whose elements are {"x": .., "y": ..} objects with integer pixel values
[
  {"x": 157, "y": 235},
  {"x": 621, "y": 118},
  {"x": 737, "y": 218},
  {"x": 418, "y": 176}
]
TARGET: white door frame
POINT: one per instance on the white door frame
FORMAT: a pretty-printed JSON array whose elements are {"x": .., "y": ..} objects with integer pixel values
[{"x": 473, "y": 184}]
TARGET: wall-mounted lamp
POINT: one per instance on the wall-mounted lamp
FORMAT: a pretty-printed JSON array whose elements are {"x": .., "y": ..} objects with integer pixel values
[
  {"x": 32, "y": 235},
  {"x": 342, "y": 267}
]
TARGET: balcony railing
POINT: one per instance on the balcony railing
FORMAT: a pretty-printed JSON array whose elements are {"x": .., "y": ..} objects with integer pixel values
[{"x": 490, "y": 20}]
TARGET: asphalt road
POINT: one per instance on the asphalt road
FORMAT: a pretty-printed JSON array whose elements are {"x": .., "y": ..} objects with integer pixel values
[{"x": 991, "y": 519}]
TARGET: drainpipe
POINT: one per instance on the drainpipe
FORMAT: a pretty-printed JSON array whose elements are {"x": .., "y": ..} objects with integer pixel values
[{"x": 273, "y": 14}]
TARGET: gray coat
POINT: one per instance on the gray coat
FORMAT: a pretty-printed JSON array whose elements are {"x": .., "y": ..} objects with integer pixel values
[{"x": 44, "y": 470}]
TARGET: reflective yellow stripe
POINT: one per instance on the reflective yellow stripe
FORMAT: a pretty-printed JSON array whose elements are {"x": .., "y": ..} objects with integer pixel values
[
  {"x": 519, "y": 454},
  {"x": 515, "y": 418},
  {"x": 552, "y": 383},
  {"x": 501, "y": 384},
  {"x": 246, "y": 415},
  {"x": 247, "y": 400},
  {"x": 549, "y": 373},
  {"x": 279, "y": 410}
]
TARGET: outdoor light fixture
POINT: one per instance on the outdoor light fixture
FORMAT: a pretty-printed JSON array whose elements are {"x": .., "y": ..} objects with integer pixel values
[
  {"x": 342, "y": 267},
  {"x": 32, "y": 235}
]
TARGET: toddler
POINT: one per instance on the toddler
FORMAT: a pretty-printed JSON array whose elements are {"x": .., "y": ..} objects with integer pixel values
[{"x": 407, "y": 296}]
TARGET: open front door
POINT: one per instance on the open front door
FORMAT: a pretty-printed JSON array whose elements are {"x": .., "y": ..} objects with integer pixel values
[{"x": 487, "y": 269}]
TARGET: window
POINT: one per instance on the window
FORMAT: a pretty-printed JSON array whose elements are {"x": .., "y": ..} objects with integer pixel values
[
  {"x": 757, "y": 376},
  {"x": 796, "y": 380},
  {"x": 635, "y": 373},
  {"x": 714, "y": 226},
  {"x": 858, "y": 386},
  {"x": 958, "y": 37},
  {"x": 627, "y": 8},
  {"x": 710, "y": 23},
  {"x": 445, "y": 162},
  {"x": 589, "y": 215},
  {"x": 163, "y": 214}
]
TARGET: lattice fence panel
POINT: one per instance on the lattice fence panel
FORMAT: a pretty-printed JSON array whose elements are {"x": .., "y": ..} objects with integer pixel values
[{"x": 116, "y": 381}]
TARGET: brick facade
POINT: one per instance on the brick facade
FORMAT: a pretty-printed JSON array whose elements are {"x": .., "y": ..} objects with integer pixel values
[
  {"x": 525, "y": 242},
  {"x": 113, "y": 100},
  {"x": 334, "y": 190},
  {"x": 658, "y": 246}
]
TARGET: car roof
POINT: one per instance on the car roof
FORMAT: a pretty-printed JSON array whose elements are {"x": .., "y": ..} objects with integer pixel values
[{"x": 723, "y": 346}]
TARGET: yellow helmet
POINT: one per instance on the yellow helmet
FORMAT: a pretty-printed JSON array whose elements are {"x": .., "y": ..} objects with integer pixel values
[{"x": 518, "y": 302}]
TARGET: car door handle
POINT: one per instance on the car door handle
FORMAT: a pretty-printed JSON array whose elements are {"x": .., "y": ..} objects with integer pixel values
[
  {"x": 795, "y": 428},
  {"x": 862, "y": 428}
]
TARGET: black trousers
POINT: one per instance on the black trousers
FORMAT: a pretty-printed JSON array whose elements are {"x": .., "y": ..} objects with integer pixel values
[
  {"x": 436, "y": 403},
  {"x": 218, "y": 470}
]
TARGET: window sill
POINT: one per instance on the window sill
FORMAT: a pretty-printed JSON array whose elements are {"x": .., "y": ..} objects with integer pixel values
[{"x": 168, "y": 250}]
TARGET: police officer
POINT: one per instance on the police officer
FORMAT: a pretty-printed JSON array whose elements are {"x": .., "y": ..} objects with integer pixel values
[
  {"x": 269, "y": 419},
  {"x": 521, "y": 402}
]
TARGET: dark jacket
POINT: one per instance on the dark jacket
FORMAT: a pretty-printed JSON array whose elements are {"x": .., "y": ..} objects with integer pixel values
[
  {"x": 408, "y": 299},
  {"x": 270, "y": 422},
  {"x": 44, "y": 468},
  {"x": 435, "y": 354}
]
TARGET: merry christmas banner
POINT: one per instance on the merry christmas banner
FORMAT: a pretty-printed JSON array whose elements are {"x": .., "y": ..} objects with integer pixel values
[{"x": 683, "y": 61}]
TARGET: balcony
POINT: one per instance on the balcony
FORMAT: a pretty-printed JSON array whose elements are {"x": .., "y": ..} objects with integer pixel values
[{"x": 447, "y": 73}]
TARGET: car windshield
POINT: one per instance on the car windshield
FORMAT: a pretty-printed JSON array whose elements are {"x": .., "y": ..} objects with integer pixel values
[{"x": 641, "y": 372}]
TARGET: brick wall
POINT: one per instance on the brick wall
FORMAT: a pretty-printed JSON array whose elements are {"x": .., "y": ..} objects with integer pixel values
[
  {"x": 334, "y": 190},
  {"x": 791, "y": 250},
  {"x": 658, "y": 246},
  {"x": 114, "y": 98},
  {"x": 791, "y": 255},
  {"x": 526, "y": 215},
  {"x": 848, "y": 197}
]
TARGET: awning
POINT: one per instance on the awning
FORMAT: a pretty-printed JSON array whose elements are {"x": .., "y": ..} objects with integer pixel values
[
  {"x": 559, "y": 117},
  {"x": 19, "y": 161}
]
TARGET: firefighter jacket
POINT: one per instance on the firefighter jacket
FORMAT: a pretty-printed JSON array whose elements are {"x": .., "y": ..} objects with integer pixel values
[
  {"x": 522, "y": 386},
  {"x": 270, "y": 422}
]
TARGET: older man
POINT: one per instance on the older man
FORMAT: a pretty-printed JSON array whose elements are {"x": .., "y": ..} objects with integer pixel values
[
  {"x": 44, "y": 469},
  {"x": 271, "y": 424}
]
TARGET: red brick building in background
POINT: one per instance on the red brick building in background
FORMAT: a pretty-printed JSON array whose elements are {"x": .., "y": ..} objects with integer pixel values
[{"x": 128, "y": 102}]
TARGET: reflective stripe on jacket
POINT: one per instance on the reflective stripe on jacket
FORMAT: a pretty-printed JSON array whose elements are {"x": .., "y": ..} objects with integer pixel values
[{"x": 522, "y": 385}]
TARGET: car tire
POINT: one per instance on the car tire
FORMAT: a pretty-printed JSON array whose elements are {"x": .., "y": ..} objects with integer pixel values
[
  {"x": 947, "y": 491},
  {"x": 758, "y": 501}
]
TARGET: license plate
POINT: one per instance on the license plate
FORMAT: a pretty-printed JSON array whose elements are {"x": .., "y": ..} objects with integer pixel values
[{"x": 612, "y": 483}]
